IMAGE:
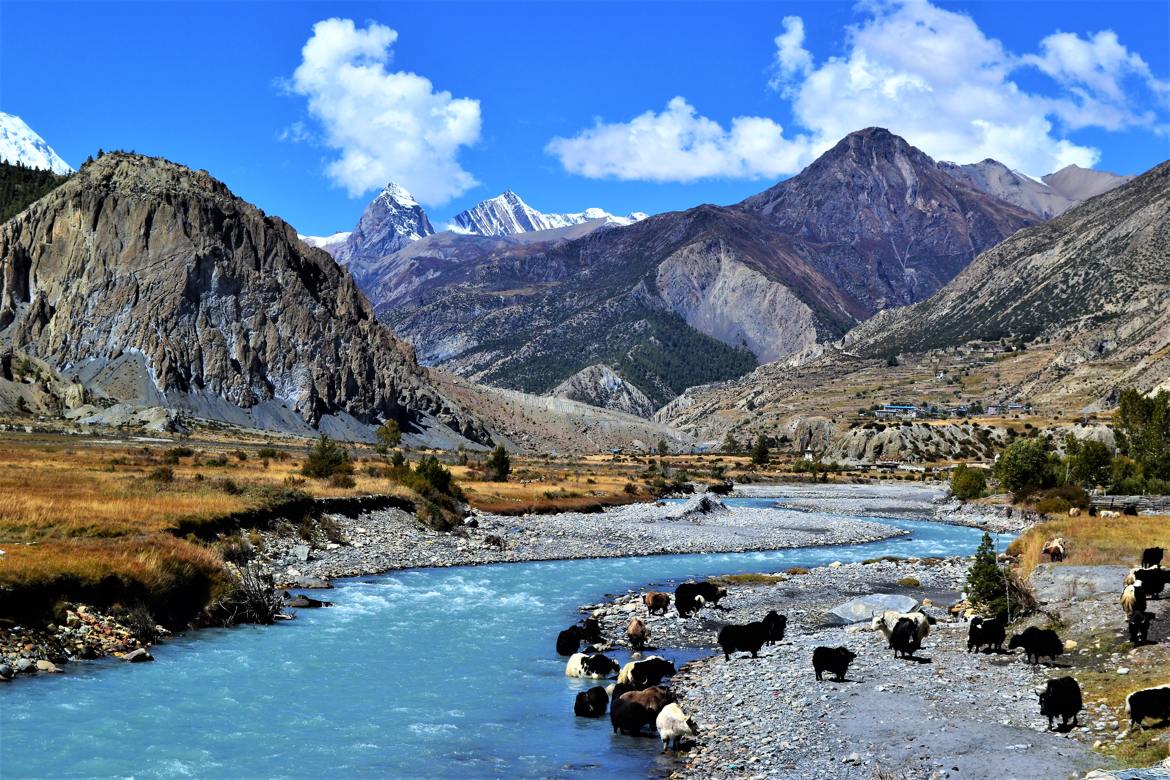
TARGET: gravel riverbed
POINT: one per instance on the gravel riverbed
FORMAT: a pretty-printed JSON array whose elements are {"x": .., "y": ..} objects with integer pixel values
[
  {"x": 392, "y": 539},
  {"x": 946, "y": 714}
]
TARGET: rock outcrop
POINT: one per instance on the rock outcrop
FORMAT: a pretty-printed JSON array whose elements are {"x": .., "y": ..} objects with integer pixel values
[
  {"x": 601, "y": 386},
  {"x": 151, "y": 284}
]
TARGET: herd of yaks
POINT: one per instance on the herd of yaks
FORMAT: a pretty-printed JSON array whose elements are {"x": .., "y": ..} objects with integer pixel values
[{"x": 638, "y": 699}]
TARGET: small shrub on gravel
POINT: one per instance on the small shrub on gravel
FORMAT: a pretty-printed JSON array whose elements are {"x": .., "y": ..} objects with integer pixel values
[
  {"x": 909, "y": 582},
  {"x": 796, "y": 570},
  {"x": 750, "y": 579}
]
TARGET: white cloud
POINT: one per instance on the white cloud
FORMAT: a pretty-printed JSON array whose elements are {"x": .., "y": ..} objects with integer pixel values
[
  {"x": 680, "y": 145},
  {"x": 1101, "y": 75},
  {"x": 928, "y": 74},
  {"x": 387, "y": 125},
  {"x": 295, "y": 133},
  {"x": 792, "y": 59}
]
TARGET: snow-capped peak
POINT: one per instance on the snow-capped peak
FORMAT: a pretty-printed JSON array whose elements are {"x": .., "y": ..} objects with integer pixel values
[
  {"x": 507, "y": 214},
  {"x": 20, "y": 143},
  {"x": 398, "y": 194}
]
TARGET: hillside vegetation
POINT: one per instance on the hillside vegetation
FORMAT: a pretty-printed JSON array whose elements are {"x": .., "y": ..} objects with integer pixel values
[{"x": 21, "y": 186}]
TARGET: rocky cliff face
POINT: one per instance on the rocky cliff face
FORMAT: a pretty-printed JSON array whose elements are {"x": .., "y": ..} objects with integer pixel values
[
  {"x": 885, "y": 224},
  {"x": 1061, "y": 316},
  {"x": 151, "y": 283},
  {"x": 601, "y": 386}
]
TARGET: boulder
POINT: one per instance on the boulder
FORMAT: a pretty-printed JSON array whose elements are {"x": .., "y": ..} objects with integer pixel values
[
  {"x": 308, "y": 583},
  {"x": 6, "y": 672},
  {"x": 863, "y": 608},
  {"x": 300, "y": 553},
  {"x": 46, "y": 666},
  {"x": 302, "y": 601},
  {"x": 25, "y": 666},
  {"x": 138, "y": 656}
]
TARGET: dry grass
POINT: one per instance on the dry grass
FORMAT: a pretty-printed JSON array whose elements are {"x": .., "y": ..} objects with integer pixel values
[
  {"x": 174, "y": 578},
  {"x": 1093, "y": 540},
  {"x": 92, "y": 491}
]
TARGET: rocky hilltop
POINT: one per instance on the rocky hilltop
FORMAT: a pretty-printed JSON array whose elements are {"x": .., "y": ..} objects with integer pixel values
[
  {"x": 601, "y": 386},
  {"x": 1049, "y": 197},
  {"x": 1102, "y": 268},
  {"x": 883, "y": 222},
  {"x": 700, "y": 295},
  {"x": 146, "y": 283}
]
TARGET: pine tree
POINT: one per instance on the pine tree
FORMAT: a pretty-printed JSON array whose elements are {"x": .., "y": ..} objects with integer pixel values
[
  {"x": 730, "y": 444},
  {"x": 760, "y": 451},
  {"x": 499, "y": 464},
  {"x": 986, "y": 586}
]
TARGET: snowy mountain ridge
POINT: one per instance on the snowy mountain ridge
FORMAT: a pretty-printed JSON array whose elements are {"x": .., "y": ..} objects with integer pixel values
[
  {"x": 19, "y": 143},
  {"x": 507, "y": 214}
]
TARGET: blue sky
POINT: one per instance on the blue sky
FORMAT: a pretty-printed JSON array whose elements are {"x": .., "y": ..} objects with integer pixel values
[{"x": 627, "y": 106}]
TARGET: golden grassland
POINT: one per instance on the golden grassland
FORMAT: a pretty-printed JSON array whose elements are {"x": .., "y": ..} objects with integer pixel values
[{"x": 1093, "y": 540}]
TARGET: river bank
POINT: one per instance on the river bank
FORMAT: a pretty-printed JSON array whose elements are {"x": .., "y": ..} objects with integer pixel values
[{"x": 391, "y": 539}]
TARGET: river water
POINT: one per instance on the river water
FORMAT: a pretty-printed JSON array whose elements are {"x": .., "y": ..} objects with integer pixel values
[{"x": 429, "y": 672}]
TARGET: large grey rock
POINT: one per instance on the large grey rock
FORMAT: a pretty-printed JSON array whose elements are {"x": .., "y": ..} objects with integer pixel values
[
  {"x": 863, "y": 608},
  {"x": 151, "y": 283},
  {"x": 138, "y": 656},
  {"x": 1051, "y": 582},
  {"x": 301, "y": 553}
]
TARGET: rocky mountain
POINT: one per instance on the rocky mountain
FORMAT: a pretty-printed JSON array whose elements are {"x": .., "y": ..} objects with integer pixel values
[
  {"x": 699, "y": 295},
  {"x": 393, "y": 220},
  {"x": 882, "y": 222},
  {"x": 1105, "y": 261},
  {"x": 507, "y": 214},
  {"x": 1051, "y": 196},
  {"x": 1078, "y": 184},
  {"x": 1060, "y": 316},
  {"x": 19, "y": 143},
  {"x": 143, "y": 283},
  {"x": 601, "y": 386}
]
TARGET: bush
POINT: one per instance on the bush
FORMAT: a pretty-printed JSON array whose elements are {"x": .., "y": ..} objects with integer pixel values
[
  {"x": 325, "y": 459},
  {"x": 1023, "y": 466},
  {"x": 968, "y": 483},
  {"x": 229, "y": 486},
  {"x": 240, "y": 455},
  {"x": 267, "y": 453},
  {"x": 162, "y": 474},
  {"x": 341, "y": 481},
  {"x": 389, "y": 435},
  {"x": 909, "y": 582},
  {"x": 630, "y": 488},
  {"x": 1052, "y": 506},
  {"x": 996, "y": 591}
]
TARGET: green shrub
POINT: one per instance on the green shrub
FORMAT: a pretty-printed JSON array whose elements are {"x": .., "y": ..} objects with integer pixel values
[
  {"x": 325, "y": 459},
  {"x": 389, "y": 434},
  {"x": 1023, "y": 466},
  {"x": 1052, "y": 506},
  {"x": 267, "y": 453},
  {"x": 909, "y": 582},
  {"x": 968, "y": 483},
  {"x": 229, "y": 486}
]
